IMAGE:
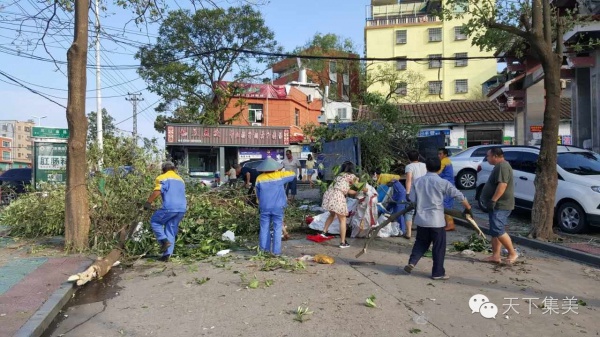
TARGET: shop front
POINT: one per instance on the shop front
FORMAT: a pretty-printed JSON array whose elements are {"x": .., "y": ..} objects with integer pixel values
[{"x": 207, "y": 152}]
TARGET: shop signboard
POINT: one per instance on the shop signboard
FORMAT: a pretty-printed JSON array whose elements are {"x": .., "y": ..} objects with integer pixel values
[
  {"x": 247, "y": 153},
  {"x": 50, "y": 162},
  {"x": 251, "y": 136}
]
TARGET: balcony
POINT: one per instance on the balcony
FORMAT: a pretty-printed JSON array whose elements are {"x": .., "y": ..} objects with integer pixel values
[{"x": 415, "y": 12}]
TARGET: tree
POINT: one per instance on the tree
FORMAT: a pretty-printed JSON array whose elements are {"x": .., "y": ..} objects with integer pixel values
[
  {"x": 385, "y": 133},
  {"x": 405, "y": 86},
  {"x": 108, "y": 125},
  {"x": 196, "y": 51},
  {"x": 534, "y": 26}
]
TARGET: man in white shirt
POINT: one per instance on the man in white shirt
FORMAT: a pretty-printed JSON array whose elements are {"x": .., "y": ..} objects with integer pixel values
[
  {"x": 291, "y": 164},
  {"x": 414, "y": 171}
]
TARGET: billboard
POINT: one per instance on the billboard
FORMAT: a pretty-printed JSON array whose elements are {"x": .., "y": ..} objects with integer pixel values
[{"x": 180, "y": 134}]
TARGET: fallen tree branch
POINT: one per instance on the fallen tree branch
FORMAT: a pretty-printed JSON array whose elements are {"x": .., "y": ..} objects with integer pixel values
[{"x": 102, "y": 266}]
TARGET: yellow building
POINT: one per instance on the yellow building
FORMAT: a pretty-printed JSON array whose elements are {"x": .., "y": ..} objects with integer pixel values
[{"x": 409, "y": 29}]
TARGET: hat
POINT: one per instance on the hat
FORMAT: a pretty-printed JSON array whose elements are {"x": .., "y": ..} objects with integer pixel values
[{"x": 268, "y": 164}]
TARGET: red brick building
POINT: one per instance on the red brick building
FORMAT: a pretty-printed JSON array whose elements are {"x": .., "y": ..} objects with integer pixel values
[
  {"x": 343, "y": 83},
  {"x": 272, "y": 105}
]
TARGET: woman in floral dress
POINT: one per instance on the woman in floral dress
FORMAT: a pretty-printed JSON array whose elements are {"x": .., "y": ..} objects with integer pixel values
[{"x": 334, "y": 200}]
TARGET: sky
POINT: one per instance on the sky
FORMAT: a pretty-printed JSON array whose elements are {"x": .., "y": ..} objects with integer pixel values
[{"x": 293, "y": 21}]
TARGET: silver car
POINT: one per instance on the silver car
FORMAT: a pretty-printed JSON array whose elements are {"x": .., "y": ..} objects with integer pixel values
[{"x": 465, "y": 165}]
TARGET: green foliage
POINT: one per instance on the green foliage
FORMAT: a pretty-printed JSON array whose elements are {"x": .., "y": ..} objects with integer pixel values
[
  {"x": 108, "y": 126},
  {"x": 184, "y": 66},
  {"x": 388, "y": 78},
  {"x": 116, "y": 201},
  {"x": 370, "y": 302},
  {"x": 302, "y": 314},
  {"x": 475, "y": 243},
  {"x": 385, "y": 135}
]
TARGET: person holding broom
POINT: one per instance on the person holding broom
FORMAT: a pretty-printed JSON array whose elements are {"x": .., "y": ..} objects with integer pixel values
[
  {"x": 428, "y": 194},
  {"x": 272, "y": 201}
]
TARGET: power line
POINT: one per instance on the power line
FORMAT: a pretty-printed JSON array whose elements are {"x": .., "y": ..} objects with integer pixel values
[
  {"x": 30, "y": 89},
  {"x": 150, "y": 106}
]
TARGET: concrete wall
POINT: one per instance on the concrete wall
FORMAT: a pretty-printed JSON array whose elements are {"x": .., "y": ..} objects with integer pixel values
[
  {"x": 331, "y": 111},
  {"x": 534, "y": 109}
]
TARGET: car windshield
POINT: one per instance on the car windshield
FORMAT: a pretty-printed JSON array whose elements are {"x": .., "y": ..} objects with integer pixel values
[{"x": 581, "y": 163}]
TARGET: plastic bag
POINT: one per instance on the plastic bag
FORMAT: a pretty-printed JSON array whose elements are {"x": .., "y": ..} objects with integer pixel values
[{"x": 324, "y": 259}]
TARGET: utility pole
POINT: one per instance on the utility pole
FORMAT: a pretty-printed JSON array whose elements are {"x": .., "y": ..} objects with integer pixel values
[
  {"x": 134, "y": 99},
  {"x": 99, "y": 115}
]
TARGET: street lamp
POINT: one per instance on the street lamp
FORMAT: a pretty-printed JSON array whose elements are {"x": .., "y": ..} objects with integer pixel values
[{"x": 39, "y": 119}]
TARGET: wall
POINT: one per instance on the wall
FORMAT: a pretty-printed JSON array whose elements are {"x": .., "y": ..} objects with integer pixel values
[
  {"x": 534, "y": 109},
  {"x": 277, "y": 112},
  {"x": 381, "y": 42},
  {"x": 331, "y": 111},
  {"x": 5, "y": 164}
]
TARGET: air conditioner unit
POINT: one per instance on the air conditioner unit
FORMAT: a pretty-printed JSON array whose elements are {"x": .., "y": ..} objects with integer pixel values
[
  {"x": 256, "y": 124},
  {"x": 309, "y": 98},
  {"x": 322, "y": 119}
]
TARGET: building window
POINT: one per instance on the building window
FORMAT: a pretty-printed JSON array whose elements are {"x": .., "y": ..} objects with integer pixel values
[
  {"x": 19, "y": 155},
  {"x": 19, "y": 128},
  {"x": 297, "y": 117},
  {"x": 461, "y": 86},
  {"x": 435, "y": 34},
  {"x": 255, "y": 113},
  {"x": 342, "y": 113},
  {"x": 5, "y": 155},
  {"x": 401, "y": 37},
  {"x": 435, "y": 61},
  {"x": 458, "y": 34},
  {"x": 20, "y": 136},
  {"x": 27, "y": 129},
  {"x": 5, "y": 144},
  {"x": 401, "y": 64},
  {"x": 401, "y": 88},
  {"x": 435, "y": 87},
  {"x": 461, "y": 63},
  {"x": 332, "y": 71}
]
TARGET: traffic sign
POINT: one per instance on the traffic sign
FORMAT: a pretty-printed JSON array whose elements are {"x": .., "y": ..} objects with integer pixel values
[{"x": 42, "y": 132}]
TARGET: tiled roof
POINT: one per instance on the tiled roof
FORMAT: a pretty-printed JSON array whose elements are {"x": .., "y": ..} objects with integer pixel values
[
  {"x": 456, "y": 112},
  {"x": 461, "y": 112}
]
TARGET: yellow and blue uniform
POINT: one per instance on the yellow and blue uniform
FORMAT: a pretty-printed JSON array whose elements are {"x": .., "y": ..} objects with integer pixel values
[
  {"x": 270, "y": 191},
  {"x": 447, "y": 173},
  {"x": 165, "y": 221},
  {"x": 385, "y": 178}
]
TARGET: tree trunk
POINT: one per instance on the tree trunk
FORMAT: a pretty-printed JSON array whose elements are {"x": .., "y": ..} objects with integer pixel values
[
  {"x": 546, "y": 179},
  {"x": 77, "y": 218}
]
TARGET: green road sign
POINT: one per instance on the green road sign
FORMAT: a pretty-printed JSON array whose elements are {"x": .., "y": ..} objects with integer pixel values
[
  {"x": 40, "y": 132},
  {"x": 50, "y": 162}
]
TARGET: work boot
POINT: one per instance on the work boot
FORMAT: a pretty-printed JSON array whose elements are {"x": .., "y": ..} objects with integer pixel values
[
  {"x": 449, "y": 223},
  {"x": 164, "y": 245}
]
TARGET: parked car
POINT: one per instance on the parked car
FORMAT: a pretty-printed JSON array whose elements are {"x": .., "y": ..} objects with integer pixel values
[
  {"x": 452, "y": 150},
  {"x": 14, "y": 182},
  {"x": 252, "y": 163},
  {"x": 465, "y": 165},
  {"x": 577, "y": 203},
  {"x": 196, "y": 176}
]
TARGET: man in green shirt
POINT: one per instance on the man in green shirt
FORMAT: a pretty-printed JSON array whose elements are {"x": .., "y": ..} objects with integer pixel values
[{"x": 499, "y": 197}]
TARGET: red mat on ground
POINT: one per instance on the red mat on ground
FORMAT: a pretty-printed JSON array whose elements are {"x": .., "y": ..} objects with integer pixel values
[{"x": 318, "y": 238}]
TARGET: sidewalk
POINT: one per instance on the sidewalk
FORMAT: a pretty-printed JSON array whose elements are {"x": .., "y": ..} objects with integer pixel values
[
  {"x": 168, "y": 299},
  {"x": 32, "y": 284}
]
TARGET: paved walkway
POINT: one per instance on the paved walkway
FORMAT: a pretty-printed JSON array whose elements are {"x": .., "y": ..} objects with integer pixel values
[
  {"x": 170, "y": 299},
  {"x": 29, "y": 275}
]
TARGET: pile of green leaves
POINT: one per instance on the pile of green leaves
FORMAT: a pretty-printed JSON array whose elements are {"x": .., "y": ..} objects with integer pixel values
[{"x": 475, "y": 243}]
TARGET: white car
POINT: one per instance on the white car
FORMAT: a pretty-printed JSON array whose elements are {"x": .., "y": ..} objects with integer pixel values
[
  {"x": 577, "y": 203},
  {"x": 465, "y": 164}
]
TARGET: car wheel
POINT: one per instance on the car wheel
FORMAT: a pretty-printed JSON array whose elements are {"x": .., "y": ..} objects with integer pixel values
[
  {"x": 466, "y": 179},
  {"x": 480, "y": 201},
  {"x": 571, "y": 218}
]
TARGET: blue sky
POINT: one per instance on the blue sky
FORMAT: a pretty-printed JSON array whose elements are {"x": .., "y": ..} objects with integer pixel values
[{"x": 293, "y": 21}]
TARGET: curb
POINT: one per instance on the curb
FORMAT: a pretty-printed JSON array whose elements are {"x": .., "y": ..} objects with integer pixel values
[
  {"x": 43, "y": 317},
  {"x": 551, "y": 248}
]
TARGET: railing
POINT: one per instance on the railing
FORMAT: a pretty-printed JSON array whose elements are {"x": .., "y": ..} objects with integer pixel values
[{"x": 402, "y": 20}]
